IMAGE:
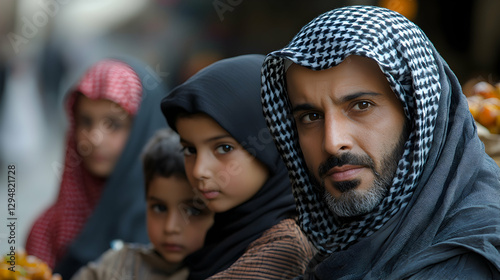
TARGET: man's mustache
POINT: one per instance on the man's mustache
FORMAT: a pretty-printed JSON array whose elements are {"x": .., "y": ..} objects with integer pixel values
[{"x": 343, "y": 159}]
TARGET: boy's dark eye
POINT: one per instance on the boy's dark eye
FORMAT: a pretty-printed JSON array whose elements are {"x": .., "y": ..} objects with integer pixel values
[{"x": 192, "y": 211}]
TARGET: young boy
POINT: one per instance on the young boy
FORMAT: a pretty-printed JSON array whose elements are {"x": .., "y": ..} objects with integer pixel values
[{"x": 177, "y": 220}]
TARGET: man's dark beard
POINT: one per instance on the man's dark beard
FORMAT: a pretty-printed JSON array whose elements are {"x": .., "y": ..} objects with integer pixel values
[
  {"x": 346, "y": 158},
  {"x": 354, "y": 202}
]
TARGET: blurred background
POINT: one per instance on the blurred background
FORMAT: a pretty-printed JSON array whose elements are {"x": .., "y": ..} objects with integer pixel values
[{"x": 46, "y": 45}]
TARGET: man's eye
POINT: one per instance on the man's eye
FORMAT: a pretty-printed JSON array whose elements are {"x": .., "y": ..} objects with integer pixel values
[
  {"x": 310, "y": 117},
  {"x": 187, "y": 151},
  {"x": 362, "y": 105},
  {"x": 222, "y": 149}
]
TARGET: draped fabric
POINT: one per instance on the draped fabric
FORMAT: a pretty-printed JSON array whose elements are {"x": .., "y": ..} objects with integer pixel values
[
  {"x": 229, "y": 92},
  {"x": 90, "y": 212},
  {"x": 444, "y": 200}
]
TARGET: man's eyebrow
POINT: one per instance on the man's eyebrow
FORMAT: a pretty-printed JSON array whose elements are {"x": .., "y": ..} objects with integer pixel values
[
  {"x": 343, "y": 99},
  {"x": 357, "y": 95},
  {"x": 302, "y": 107}
]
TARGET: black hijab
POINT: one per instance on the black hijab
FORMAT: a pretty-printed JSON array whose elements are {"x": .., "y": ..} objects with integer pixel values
[
  {"x": 121, "y": 210},
  {"x": 444, "y": 201},
  {"x": 229, "y": 92}
]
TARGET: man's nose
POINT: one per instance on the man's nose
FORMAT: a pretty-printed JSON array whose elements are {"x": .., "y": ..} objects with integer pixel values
[{"x": 337, "y": 134}]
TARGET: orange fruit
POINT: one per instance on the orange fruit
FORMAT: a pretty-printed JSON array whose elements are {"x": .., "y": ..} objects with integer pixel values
[
  {"x": 475, "y": 104},
  {"x": 484, "y": 89},
  {"x": 488, "y": 115},
  {"x": 494, "y": 130},
  {"x": 407, "y": 8},
  {"x": 492, "y": 101},
  {"x": 497, "y": 86}
]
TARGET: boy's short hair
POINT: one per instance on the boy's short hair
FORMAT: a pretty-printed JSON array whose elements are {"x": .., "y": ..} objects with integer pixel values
[{"x": 162, "y": 156}]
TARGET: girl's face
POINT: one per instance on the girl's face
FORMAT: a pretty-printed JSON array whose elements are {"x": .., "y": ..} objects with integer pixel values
[
  {"x": 223, "y": 172},
  {"x": 177, "y": 221},
  {"x": 102, "y": 129}
]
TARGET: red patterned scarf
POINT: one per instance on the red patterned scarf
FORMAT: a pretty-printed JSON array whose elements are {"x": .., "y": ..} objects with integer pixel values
[{"x": 80, "y": 191}]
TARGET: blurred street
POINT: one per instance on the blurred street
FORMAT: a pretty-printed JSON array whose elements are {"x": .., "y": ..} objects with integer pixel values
[{"x": 32, "y": 142}]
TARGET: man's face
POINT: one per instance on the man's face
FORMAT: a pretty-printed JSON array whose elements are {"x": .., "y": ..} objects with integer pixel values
[{"x": 351, "y": 130}]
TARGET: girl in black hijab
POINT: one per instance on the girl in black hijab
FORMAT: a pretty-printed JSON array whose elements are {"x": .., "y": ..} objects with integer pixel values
[{"x": 232, "y": 162}]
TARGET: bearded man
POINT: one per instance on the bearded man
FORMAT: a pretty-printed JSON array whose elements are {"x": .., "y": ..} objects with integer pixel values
[{"x": 390, "y": 178}]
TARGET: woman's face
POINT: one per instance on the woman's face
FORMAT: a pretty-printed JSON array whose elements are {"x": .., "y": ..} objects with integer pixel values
[
  {"x": 222, "y": 171},
  {"x": 102, "y": 129}
]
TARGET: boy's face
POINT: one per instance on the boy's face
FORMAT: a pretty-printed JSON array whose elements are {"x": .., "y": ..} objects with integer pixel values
[
  {"x": 224, "y": 173},
  {"x": 102, "y": 129},
  {"x": 177, "y": 221}
]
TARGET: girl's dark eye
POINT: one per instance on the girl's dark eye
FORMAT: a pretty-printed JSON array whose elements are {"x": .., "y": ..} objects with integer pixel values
[
  {"x": 188, "y": 151},
  {"x": 84, "y": 122},
  {"x": 112, "y": 125},
  {"x": 159, "y": 208},
  {"x": 223, "y": 149}
]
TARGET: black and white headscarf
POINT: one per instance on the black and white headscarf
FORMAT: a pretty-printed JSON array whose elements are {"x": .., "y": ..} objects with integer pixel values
[{"x": 405, "y": 56}]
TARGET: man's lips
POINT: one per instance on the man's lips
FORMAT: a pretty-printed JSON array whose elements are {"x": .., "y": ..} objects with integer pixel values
[{"x": 344, "y": 173}]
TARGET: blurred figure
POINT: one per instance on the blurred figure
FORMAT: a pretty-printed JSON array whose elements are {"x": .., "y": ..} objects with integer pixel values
[{"x": 112, "y": 111}]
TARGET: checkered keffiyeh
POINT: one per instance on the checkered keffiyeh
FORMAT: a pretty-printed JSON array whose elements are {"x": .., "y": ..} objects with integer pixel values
[
  {"x": 79, "y": 193},
  {"x": 405, "y": 56}
]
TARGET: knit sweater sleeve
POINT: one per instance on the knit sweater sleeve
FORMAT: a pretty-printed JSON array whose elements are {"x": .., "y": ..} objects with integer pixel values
[
  {"x": 133, "y": 261},
  {"x": 104, "y": 268},
  {"x": 282, "y": 252}
]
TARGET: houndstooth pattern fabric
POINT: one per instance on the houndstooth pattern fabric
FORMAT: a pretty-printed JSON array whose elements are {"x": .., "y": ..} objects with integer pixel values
[{"x": 405, "y": 56}]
